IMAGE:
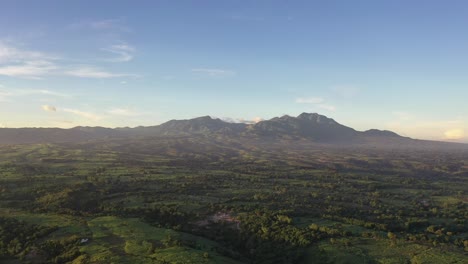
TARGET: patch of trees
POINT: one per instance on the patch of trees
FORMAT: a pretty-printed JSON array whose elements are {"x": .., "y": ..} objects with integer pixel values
[{"x": 19, "y": 237}]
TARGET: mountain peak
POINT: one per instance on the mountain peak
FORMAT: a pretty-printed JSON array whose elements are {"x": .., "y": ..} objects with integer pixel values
[
  {"x": 316, "y": 118},
  {"x": 204, "y": 118}
]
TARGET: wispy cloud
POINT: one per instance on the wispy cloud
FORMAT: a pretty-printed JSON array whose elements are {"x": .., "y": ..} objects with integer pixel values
[
  {"x": 8, "y": 94},
  {"x": 402, "y": 116},
  {"x": 246, "y": 18},
  {"x": 346, "y": 91},
  {"x": 309, "y": 100},
  {"x": 49, "y": 92},
  {"x": 454, "y": 134},
  {"x": 317, "y": 102},
  {"x": 61, "y": 123},
  {"x": 327, "y": 107},
  {"x": 27, "y": 92},
  {"x": 213, "y": 72},
  {"x": 11, "y": 54},
  {"x": 49, "y": 108},
  {"x": 104, "y": 24},
  {"x": 242, "y": 120},
  {"x": 95, "y": 73},
  {"x": 124, "y": 52},
  {"x": 29, "y": 69},
  {"x": 15, "y": 62},
  {"x": 124, "y": 112},
  {"x": 416, "y": 126},
  {"x": 87, "y": 115},
  {"x": 4, "y": 96},
  {"x": 101, "y": 25}
]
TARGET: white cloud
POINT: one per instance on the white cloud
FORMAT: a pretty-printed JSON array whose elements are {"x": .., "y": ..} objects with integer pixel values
[
  {"x": 49, "y": 108},
  {"x": 101, "y": 25},
  {"x": 87, "y": 115},
  {"x": 96, "y": 73},
  {"x": 123, "y": 112},
  {"x": 26, "y": 92},
  {"x": 418, "y": 127},
  {"x": 10, "y": 54},
  {"x": 4, "y": 96},
  {"x": 15, "y": 62},
  {"x": 20, "y": 63},
  {"x": 309, "y": 100},
  {"x": 346, "y": 90},
  {"x": 327, "y": 107},
  {"x": 242, "y": 120},
  {"x": 214, "y": 72},
  {"x": 317, "y": 102},
  {"x": 454, "y": 134},
  {"x": 48, "y": 92},
  {"x": 61, "y": 123},
  {"x": 124, "y": 52},
  {"x": 402, "y": 116},
  {"x": 257, "y": 119},
  {"x": 3, "y": 99},
  {"x": 7, "y": 95},
  {"x": 30, "y": 69}
]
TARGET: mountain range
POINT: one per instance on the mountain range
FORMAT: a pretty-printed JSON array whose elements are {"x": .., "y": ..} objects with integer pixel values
[{"x": 307, "y": 126}]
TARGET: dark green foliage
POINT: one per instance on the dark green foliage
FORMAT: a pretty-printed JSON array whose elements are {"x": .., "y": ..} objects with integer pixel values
[
  {"x": 18, "y": 236},
  {"x": 254, "y": 201}
]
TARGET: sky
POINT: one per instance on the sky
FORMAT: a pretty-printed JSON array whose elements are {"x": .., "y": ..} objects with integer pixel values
[{"x": 394, "y": 65}]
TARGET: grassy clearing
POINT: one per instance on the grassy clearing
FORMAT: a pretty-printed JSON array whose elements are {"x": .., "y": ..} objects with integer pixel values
[
  {"x": 119, "y": 240},
  {"x": 361, "y": 250}
]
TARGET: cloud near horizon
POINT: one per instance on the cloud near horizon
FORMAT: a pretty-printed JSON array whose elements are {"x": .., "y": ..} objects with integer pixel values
[
  {"x": 454, "y": 134},
  {"x": 49, "y": 108},
  {"x": 327, "y": 107},
  {"x": 309, "y": 100},
  {"x": 9, "y": 94},
  {"x": 242, "y": 120},
  {"x": 346, "y": 91},
  {"x": 417, "y": 127},
  {"x": 317, "y": 102},
  {"x": 87, "y": 115},
  {"x": 123, "y": 112}
]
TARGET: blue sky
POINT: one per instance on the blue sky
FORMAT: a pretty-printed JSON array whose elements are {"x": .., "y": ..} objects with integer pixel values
[{"x": 398, "y": 65}]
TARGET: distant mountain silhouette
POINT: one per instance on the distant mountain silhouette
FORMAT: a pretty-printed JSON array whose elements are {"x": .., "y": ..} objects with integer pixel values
[
  {"x": 380, "y": 133},
  {"x": 42, "y": 135},
  {"x": 203, "y": 125},
  {"x": 306, "y": 126},
  {"x": 312, "y": 126}
]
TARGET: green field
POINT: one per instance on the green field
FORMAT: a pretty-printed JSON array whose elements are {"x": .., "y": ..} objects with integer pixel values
[{"x": 205, "y": 200}]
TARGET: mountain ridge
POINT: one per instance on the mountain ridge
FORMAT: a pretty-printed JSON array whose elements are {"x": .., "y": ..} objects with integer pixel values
[{"x": 309, "y": 126}]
